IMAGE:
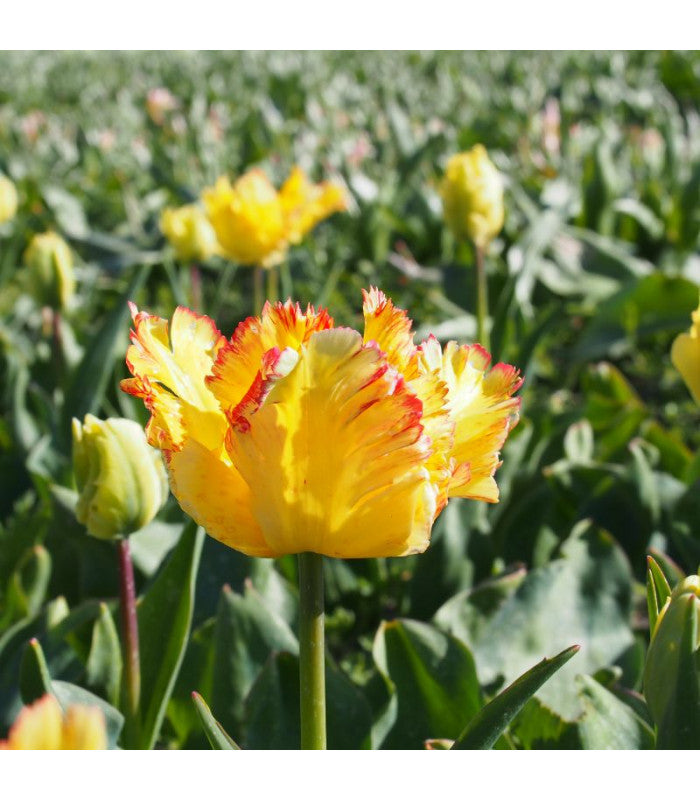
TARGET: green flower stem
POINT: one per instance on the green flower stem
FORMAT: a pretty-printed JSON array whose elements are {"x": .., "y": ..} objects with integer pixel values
[
  {"x": 312, "y": 674},
  {"x": 273, "y": 290},
  {"x": 196, "y": 287},
  {"x": 130, "y": 645},
  {"x": 258, "y": 298},
  {"x": 482, "y": 301}
]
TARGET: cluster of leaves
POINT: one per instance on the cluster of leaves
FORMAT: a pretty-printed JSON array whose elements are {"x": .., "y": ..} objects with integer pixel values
[{"x": 595, "y": 272}]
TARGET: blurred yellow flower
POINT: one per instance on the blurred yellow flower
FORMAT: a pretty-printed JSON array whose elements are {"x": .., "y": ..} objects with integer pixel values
[
  {"x": 42, "y": 726},
  {"x": 305, "y": 204},
  {"x": 472, "y": 196},
  {"x": 121, "y": 480},
  {"x": 189, "y": 232},
  {"x": 255, "y": 224},
  {"x": 685, "y": 355},
  {"x": 49, "y": 261},
  {"x": 8, "y": 199},
  {"x": 298, "y": 436}
]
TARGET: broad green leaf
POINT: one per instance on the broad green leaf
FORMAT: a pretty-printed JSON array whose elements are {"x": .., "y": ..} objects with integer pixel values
[
  {"x": 538, "y": 727},
  {"x": 34, "y": 678},
  {"x": 69, "y": 694},
  {"x": 86, "y": 390},
  {"x": 484, "y": 729},
  {"x": 584, "y": 596},
  {"x": 607, "y": 723},
  {"x": 217, "y": 736},
  {"x": 246, "y": 633},
  {"x": 434, "y": 679},
  {"x": 164, "y": 617},
  {"x": 272, "y": 708},
  {"x": 104, "y": 664},
  {"x": 30, "y": 581}
]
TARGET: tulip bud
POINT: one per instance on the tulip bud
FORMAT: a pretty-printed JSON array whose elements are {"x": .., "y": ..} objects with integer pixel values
[
  {"x": 189, "y": 232},
  {"x": 8, "y": 199},
  {"x": 685, "y": 355},
  {"x": 472, "y": 196},
  {"x": 672, "y": 670},
  {"x": 121, "y": 479},
  {"x": 50, "y": 263}
]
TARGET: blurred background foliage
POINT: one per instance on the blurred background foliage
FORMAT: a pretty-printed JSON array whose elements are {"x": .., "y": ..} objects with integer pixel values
[{"x": 595, "y": 272}]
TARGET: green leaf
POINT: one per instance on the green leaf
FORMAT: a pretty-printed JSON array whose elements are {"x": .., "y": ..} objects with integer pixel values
[
  {"x": 246, "y": 633},
  {"x": 493, "y": 719},
  {"x": 217, "y": 736},
  {"x": 584, "y": 596},
  {"x": 34, "y": 678},
  {"x": 86, "y": 390},
  {"x": 672, "y": 675},
  {"x": 434, "y": 680},
  {"x": 68, "y": 694},
  {"x": 30, "y": 581},
  {"x": 104, "y": 664},
  {"x": 658, "y": 591},
  {"x": 164, "y": 617},
  {"x": 607, "y": 723}
]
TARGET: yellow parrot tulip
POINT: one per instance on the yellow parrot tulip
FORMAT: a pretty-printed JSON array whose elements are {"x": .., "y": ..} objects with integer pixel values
[
  {"x": 297, "y": 436},
  {"x": 685, "y": 355},
  {"x": 42, "y": 726}
]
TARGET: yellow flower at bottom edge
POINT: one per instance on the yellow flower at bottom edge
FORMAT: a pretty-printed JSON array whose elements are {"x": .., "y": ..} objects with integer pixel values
[
  {"x": 298, "y": 436},
  {"x": 248, "y": 219},
  {"x": 8, "y": 199},
  {"x": 305, "y": 204},
  {"x": 472, "y": 196},
  {"x": 685, "y": 355},
  {"x": 189, "y": 232},
  {"x": 42, "y": 726}
]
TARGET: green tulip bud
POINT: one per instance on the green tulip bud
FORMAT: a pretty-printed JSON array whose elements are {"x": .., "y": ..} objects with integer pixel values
[
  {"x": 49, "y": 261},
  {"x": 672, "y": 671},
  {"x": 8, "y": 199},
  {"x": 121, "y": 479}
]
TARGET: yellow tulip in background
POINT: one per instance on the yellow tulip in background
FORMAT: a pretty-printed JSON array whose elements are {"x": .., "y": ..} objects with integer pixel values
[
  {"x": 255, "y": 224},
  {"x": 685, "y": 355},
  {"x": 50, "y": 276},
  {"x": 43, "y": 726},
  {"x": 298, "y": 436},
  {"x": 189, "y": 232},
  {"x": 8, "y": 199},
  {"x": 472, "y": 196},
  {"x": 121, "y": 480}
]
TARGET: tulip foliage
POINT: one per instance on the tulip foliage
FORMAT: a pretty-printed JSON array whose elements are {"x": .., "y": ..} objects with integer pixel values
[{"x": 499, "y": 499}]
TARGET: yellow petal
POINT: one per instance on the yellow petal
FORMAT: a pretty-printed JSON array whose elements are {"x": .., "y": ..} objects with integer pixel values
[
  {"x": 335, "y": 455},
  {"x": 38, "y": 727},
  {"x": 685, "y": 356},
  {"x": 171, "y": 378},
  {"x": 248, "y": 219},
  {"x": 84, "y": 729},
  {"x": 305, "y": 204},
  {"x": 210, "y": 489},
  {"x": 483, "y": 410},
  {"x": 280, "y": 326},
  {"x": 390, "y": 328}
]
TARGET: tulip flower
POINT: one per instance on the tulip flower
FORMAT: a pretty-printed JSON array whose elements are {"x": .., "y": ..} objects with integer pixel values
[
  {"x": 8, "y": 199},
  {"x": 295, "y": 436},
  {"x": 49, "y": 263},
  {"x": 189, "y": 232},
  {"x": 121, "y": 479},
  {"x": 43, "y": 726},
  {"x": 685, "y": 355},
  {"x": 472, "y": 198}
]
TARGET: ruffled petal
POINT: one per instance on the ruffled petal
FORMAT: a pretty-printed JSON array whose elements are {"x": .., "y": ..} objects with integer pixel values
[
  {"x": 336, "y": 455},
  {"x": 281, "y": 326},
  {"x": 483, "y": 410},
  {"x": 211, "y": 490},
  {"x": 390, "y": 328},
  {"x": 170, "y": 364}
]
